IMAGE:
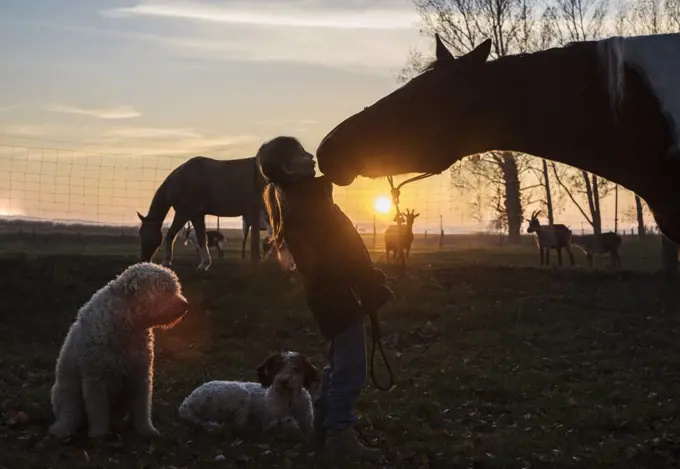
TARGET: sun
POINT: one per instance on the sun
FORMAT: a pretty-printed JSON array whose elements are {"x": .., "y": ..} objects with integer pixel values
[{"x": 383, "y": 204}]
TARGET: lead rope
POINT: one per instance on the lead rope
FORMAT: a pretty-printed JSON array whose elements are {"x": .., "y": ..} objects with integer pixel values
[
  {"x": 375, "y": 333},
  {"x": 396, "y": 192},
  {"x": 375, "y": 325}
]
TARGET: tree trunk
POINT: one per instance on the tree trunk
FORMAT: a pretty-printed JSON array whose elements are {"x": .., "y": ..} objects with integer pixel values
[
  {"x": 548, "y": 194},
  {"x": 642, "y": 231},
  {"x": 597, "y": 215},
  {"x": 513, "y": 201},
  {"x": 593, "y": 195},
  {"x": 616, "y": 209}
]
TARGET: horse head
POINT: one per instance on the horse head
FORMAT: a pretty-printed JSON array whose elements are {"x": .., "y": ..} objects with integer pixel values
[{"x": 151, "y": 235}]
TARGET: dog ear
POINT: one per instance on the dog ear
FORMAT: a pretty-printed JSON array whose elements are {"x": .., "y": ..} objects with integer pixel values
[
  {"x": 311, "y": 374},
  {"x": 268, "y": 369}
]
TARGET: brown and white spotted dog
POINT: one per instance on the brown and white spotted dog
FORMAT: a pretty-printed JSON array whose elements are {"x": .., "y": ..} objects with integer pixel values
[{"x": 280, "y": 401}]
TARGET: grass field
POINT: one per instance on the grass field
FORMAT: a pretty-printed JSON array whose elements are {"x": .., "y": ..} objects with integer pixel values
[{"x": 499, "y": 363}]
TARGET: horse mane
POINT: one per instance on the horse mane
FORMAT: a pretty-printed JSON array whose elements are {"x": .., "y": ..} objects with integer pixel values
[
  {"x": 428, "y": 66},
  {"x": 611, "y": 55},
  {"x": 432, "y": 64}
]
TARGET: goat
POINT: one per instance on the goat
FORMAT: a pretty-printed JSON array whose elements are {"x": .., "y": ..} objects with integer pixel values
[
  {"x": 605, "y": 243},
  {"x": 551, "y": 237},
  {"x": 399, "y": 237},
  {"x": 215, "y": 239}
]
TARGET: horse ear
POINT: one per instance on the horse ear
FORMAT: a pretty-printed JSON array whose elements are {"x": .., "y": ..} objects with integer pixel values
[
  {"x": 442, "y": 53},
  {"x": 479, "y": 54},
  {"x": 140, "y": 217}
]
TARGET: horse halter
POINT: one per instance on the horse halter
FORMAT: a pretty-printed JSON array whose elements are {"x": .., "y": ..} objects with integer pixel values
[{"x": 396, "y": 191}]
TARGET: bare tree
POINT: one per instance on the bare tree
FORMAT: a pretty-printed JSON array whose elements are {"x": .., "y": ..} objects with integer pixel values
[
  {"x": 578, "y": 183},
  {"x": 547, "y": 197},
  {"x": 649, "y": 17},
  {"x": 639, "y": 211},
  {"x": 672, "y": 11}
]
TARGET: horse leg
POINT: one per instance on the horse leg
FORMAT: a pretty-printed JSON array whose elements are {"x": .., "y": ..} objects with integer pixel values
[
  {"x": 246, "y": 228},
  {"x": 199, "y": 227},
  {"x": 220, "y": 252},
  {"x": 177, "y": 224}
]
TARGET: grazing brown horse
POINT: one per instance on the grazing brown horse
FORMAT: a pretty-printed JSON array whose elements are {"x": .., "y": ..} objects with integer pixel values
[
  {"x": 200, "y": 186},
  {"x": 610, "y": 107}
]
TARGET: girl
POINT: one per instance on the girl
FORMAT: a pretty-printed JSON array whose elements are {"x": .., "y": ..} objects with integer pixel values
[{"x": 340, "y": 283}]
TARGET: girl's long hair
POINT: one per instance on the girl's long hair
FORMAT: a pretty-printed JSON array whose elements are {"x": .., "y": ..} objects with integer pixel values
[{"x": 274, "y": 204}]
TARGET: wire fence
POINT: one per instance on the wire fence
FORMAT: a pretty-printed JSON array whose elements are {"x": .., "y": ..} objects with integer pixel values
[{"x": 76, "y": 186}]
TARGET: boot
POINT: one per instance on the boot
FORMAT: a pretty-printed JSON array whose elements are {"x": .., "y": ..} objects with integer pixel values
[{"x": 343, "y": 447}]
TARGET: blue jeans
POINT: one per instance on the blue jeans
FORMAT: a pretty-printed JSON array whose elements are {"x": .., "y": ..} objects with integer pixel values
[{"x": 342, "y": 379}]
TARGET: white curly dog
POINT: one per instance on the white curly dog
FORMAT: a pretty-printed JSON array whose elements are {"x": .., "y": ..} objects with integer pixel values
[
  {"x": 105, "y": 366},
  {"x": 279, "y": 402}
]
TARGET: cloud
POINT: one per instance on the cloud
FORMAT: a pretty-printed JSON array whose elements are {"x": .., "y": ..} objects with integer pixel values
[
  {"x": 152, "y": 133},
  {"x": 151, "y": 141},
  {"x": 9, "y": 107},
  {"x": 118, "y": 112},
  {"x": 284, "y": 122},
  {"x": 28, "y": 130},
  {"x": 364, "y": 50},
  {"x": 370, "y": 52},
  {"x": 274, "y": 14},
  {"x": 133, "y": 141}
]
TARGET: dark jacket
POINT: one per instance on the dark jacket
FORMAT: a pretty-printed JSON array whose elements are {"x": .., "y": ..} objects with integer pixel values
[{"x": 337, "y": 271}]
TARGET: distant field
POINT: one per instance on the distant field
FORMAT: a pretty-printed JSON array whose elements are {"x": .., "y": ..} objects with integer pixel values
[
  {"x": 36, "y": 239},
  {"x": 499, "y": 363}
]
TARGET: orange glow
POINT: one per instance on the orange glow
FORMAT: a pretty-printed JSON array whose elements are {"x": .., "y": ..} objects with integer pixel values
[{"x": 383, "y": 204}]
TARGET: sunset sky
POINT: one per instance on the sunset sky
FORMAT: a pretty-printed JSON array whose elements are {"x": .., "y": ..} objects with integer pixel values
[{"x": 174, "y": 79}]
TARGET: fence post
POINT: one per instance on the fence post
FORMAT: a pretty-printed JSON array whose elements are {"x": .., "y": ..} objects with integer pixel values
[{"x": 375, "y": 234}]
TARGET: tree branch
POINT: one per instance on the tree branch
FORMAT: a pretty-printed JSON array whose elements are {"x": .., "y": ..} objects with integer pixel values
[{"x": 566, "y": 189}]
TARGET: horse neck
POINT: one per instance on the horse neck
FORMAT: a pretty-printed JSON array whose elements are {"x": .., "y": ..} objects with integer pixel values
[
  {"x": 160, "y": 205},
  {"x": 551, "y": 104}
]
